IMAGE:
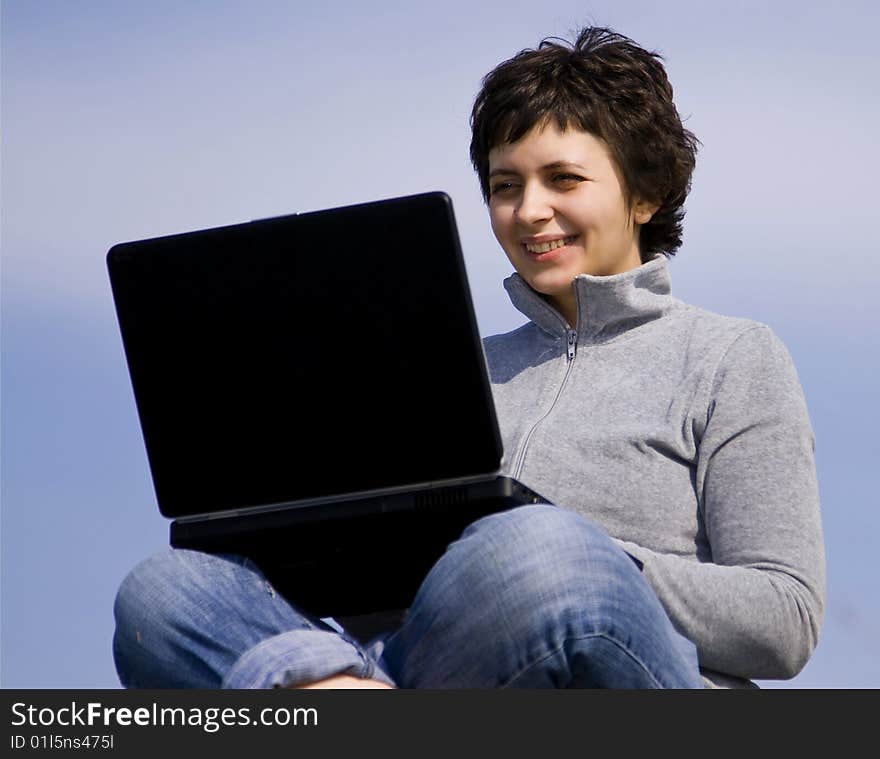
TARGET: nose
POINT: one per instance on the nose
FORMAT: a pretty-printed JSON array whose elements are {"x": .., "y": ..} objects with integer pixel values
[{"x": 534, "y": 206}]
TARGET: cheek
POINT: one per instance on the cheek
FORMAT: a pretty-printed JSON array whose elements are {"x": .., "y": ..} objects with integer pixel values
[
  {"x": 604, "y": 222},
  {"x": 499, "y": 223}
]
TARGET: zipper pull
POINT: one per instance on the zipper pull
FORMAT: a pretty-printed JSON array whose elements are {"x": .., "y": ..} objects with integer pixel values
[{"x": 572, "y": 343}]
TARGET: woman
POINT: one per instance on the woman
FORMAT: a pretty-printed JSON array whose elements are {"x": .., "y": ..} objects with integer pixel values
[{"x": 687, "y": 549}]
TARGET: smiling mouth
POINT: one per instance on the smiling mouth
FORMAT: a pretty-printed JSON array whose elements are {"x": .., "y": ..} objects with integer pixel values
[{"x": 546, "y": 247}]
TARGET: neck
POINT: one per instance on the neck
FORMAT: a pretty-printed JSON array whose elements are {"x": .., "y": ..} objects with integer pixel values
[{"x": 566, "y": 304}]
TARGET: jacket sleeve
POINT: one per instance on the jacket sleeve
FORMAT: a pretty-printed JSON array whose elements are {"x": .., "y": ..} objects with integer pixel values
[{"x": 755, "y": 609}]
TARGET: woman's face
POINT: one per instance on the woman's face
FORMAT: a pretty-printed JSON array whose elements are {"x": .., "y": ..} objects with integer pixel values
[{"x": 557, "y": 208}]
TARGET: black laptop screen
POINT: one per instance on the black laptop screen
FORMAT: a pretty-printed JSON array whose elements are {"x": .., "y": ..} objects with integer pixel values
[{"x": 305, "y": 356}]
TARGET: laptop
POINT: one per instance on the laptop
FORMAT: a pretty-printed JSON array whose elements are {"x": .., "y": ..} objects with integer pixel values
[{"x": 313, "y": 394}]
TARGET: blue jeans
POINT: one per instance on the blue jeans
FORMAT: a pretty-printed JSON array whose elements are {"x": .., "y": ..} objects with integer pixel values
[{"x": 534, "y": 597}]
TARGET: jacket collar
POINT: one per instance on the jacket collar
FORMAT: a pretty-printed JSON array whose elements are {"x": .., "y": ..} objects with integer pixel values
[{"x": 607, "y": 306}]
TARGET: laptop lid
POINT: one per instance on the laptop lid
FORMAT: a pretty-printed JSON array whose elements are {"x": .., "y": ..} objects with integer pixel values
[{"x": 305, "y": 356}]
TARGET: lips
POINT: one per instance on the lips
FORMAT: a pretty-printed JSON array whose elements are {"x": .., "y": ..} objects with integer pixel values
[
  {"x": 547, "y": 249},
  {"x": 545, "y": 246}
]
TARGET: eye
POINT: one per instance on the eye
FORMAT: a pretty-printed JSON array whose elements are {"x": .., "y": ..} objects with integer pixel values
[
  {"x": 502, "y": 187},
  {"x": 566, "y": 179}
]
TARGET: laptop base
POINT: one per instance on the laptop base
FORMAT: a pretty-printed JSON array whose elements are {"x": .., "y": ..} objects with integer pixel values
[{"x": 357, "y": 563}]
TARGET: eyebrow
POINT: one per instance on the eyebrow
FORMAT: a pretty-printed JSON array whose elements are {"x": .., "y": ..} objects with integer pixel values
[{"x": 545, "y": 167}]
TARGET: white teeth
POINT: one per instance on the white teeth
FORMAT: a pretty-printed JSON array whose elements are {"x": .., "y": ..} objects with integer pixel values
[{"x": 545, "y": 247}]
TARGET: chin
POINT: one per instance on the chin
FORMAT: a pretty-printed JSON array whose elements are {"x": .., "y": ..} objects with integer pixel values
[{"x": 558, "y": 284}]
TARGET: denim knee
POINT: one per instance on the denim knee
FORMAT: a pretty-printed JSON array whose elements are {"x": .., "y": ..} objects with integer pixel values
[
  {"x": 538, "y": 597},
  {"x": 164, "y": 607},
  {"x": 195, "y": 620},
  {"x": 538, "y": 562},
  {"x": 144, "y": 598},
  {"x": 167, "y": 589},
  {"x": 512, "y": 591}
]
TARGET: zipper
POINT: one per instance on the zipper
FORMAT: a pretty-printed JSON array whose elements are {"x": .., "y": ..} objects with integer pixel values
[{"x": 571, "y": 352}]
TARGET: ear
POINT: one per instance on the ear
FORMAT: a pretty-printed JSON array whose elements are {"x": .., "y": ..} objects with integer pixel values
[{"x": 643, "y": 211}]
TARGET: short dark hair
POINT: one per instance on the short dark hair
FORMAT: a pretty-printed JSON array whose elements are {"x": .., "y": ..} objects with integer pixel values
[{"x": 607, "y": 85}]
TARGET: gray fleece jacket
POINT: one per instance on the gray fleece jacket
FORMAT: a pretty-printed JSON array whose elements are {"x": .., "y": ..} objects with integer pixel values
[{"x": 685, "y": 435}]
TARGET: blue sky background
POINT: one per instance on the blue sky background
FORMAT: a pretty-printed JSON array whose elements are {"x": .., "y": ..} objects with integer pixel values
[{"x": 122, "y": 120}]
